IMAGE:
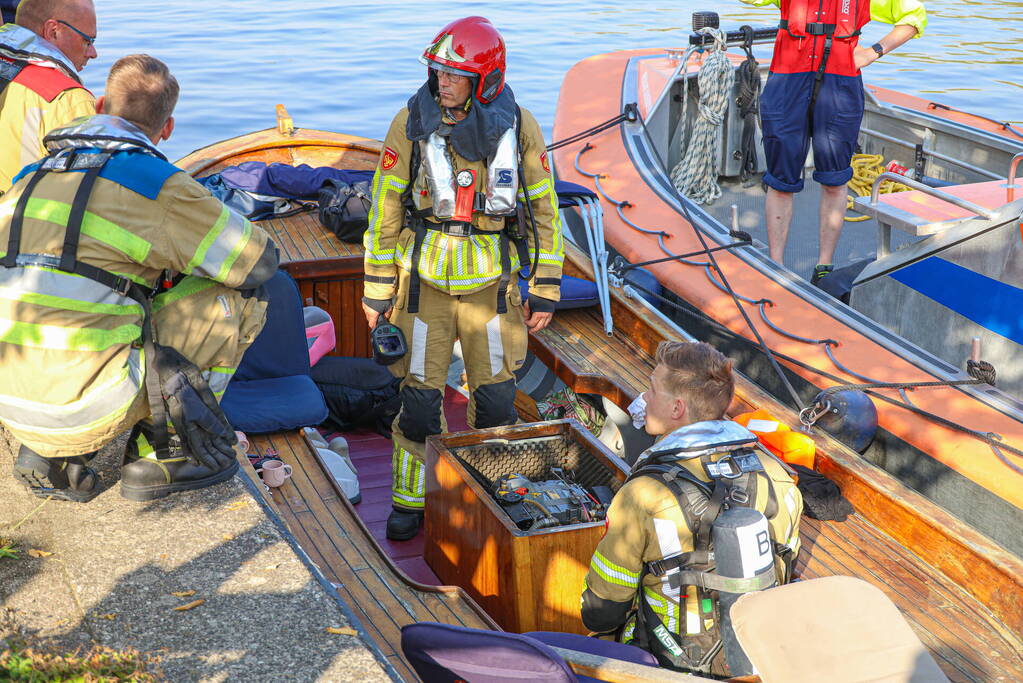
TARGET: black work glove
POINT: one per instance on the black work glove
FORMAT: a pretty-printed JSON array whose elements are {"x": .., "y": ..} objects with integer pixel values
[{"x": 206, "y": 435}]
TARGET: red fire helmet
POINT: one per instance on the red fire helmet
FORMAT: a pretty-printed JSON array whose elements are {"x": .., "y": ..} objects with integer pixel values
[{"x": 470, "y": 47}]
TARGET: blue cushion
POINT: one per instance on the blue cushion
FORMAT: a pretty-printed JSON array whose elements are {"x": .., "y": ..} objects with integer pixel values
[
  {"x": 281, "y": 349},
  {"x": 272, "y": 405},
  {"x": 575, "y": 293},
  {"x": 567, "y": 191},
  {"x": 272, "y": 390}
]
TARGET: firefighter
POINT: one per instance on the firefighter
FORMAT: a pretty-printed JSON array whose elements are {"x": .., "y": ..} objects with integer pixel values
[
  {"x": 660, "y": 521},
  {"x": 463, "y": 198},
  {"x": 40, "y": 57},
  {"x": 814, "y": 92},
  {"x": 89, "y": 234}
]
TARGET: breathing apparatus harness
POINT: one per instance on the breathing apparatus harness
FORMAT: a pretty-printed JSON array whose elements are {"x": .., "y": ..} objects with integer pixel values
[
  {"x": 734, "y": 482},
  {"x": 415, "y": 219},
  {"x": 190, "y": 394}
]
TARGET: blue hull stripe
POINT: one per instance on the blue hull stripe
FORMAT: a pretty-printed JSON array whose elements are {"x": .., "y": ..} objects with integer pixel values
[{"x": 991, "y": 304}]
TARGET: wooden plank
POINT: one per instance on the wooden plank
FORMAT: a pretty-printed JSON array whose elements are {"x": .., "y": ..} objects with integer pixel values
[
  {"x": 403, "y": 668},
  {"x": 419, "y": 607},
  {"x": 916, "y": 604}
]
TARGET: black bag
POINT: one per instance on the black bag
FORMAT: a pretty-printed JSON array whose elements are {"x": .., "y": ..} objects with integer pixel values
[
  {"x": 358, "y": 392},
  {"x": 344, "y": 208}
]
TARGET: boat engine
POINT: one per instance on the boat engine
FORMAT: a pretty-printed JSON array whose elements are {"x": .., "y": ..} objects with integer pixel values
[{"x": 545, "y": 504}]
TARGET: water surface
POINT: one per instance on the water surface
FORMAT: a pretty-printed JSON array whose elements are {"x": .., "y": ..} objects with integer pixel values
[{"x": 349, "y": 66}]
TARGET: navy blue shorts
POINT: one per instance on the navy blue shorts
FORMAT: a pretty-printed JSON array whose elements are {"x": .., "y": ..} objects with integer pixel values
[{"x": 785, "y": 120}]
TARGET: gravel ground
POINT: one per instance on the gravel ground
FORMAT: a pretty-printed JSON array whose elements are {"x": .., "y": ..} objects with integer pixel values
[{"x": 106, "y": 572}]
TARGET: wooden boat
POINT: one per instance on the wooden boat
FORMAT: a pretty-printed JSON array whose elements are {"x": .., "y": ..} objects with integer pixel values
[
  {"x": 892, "y": 332},
  {"x": 960, "y": 591}
]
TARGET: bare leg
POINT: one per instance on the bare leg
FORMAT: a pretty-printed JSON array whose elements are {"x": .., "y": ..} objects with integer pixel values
[
  {"x": 832, "y": 215},
  {"x": 778, "y": 210}
]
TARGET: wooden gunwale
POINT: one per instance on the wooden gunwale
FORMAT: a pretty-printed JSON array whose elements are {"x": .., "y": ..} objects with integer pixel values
[{"x": 961, "y": 554}]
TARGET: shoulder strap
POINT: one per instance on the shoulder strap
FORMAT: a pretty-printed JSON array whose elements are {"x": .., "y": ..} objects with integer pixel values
[{"x": 93, "y": 165}]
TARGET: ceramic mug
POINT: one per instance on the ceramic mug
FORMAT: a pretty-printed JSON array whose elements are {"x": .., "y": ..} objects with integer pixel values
[{"x": 275, "y": 472}]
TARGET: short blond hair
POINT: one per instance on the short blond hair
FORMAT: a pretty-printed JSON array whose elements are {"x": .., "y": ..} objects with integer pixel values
[
  {"x": 700, "y": 375},
  {"x": 32, "y": 14},
  {"x": 142, "y": 90}
]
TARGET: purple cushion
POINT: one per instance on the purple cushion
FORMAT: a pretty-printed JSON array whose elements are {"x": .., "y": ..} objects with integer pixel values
[
  {"x": 444, "y": 654},
  {"x": 594, "y": 646}
]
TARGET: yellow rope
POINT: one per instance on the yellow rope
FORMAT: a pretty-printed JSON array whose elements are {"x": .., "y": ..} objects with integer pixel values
[{"x": 867, "y": 167}]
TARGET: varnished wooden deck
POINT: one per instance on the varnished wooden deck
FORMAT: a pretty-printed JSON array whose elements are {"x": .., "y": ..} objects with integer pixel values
[
  {"x": 967, "y": 641},
  {"x": 330, "y": 532}
]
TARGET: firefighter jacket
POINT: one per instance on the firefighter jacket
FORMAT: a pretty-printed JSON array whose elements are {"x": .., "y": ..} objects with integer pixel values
[
  {"x": 458, "y": 264},
  {"x": 42, "y": 92},
  {"x": 798, "y": 50},
  {"x": 71, "y": 366},
  {"x": 645, "y": 523}
]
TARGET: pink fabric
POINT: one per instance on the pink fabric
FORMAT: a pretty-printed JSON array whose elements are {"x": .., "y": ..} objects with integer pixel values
[{"x": 319, "y": 333}]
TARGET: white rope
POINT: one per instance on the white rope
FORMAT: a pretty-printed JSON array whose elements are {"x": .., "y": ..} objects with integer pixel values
[{"x": 696, "y": 174}]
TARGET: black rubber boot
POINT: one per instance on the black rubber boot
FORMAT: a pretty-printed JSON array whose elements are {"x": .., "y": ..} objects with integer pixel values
[
  {"x": 63, "y": 478},
  {"x": 403, "y": 525},
  {"x": 149, "y": 478}
]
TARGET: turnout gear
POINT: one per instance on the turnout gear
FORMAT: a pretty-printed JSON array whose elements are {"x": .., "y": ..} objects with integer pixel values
[
  {"x": 206, "y": 436},
  {"x": 39, "y": 90},
  {"x": 470, "y": 47},
  {"x": 147, "y": 475},
  {"x": 659, "y": 547},
  {"x": 402, "y": 525},
  {"x": 89, "y": 232},
  {"x": 64, "y": 478},
  {"x": 444, "y": 221}
]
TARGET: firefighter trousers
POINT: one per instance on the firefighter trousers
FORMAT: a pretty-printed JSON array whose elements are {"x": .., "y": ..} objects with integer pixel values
[
  {"x": 209, "y": 324},
  {"x": 493, "y": 346}
]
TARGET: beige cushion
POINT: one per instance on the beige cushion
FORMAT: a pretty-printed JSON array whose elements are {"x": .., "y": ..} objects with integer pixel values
[{"x": 837, "y": 629}]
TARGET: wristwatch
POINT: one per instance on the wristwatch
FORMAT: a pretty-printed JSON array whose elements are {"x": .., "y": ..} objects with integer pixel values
[{"x": 879, "y": 49}]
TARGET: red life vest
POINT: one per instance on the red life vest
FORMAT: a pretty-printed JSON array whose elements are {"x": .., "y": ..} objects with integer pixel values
[
  {"x": 42, "y": 80},
  {"x": 804, "y": 31}
]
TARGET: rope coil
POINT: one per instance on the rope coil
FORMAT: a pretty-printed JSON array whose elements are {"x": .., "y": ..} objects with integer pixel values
[{"x": 695, "y": 176}]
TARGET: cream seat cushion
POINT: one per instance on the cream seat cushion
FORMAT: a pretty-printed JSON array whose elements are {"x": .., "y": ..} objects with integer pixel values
[{"x": 837, "y": 629}]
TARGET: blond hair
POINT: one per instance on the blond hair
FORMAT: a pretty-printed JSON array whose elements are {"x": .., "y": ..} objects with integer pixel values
[
  {"x": 700, "y": 375},
  {"x": 142, "y": 90},
  {"x": 32, "y": 14}
]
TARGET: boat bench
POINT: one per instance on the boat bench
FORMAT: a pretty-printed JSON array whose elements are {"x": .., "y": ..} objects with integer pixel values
[{"x": 928, "y": 212}]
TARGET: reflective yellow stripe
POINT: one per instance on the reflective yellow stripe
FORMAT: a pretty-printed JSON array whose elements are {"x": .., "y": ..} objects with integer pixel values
[
  {"x": 613, "y": 573},
  {"x": 64, "y": 338},
  {"x": 408, "y": 486},
  {"x": 12, "y": 294},
  {"x": 375, "y": 253},
  {"x": 225, "y": 268},
  {"x": 208, "y": 240},
  {"x": 188, "y": 286},
  {"x": 96, "y": 227}
]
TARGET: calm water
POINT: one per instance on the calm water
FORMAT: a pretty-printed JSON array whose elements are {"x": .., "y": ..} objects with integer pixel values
[{"x": 349, "y": 66}]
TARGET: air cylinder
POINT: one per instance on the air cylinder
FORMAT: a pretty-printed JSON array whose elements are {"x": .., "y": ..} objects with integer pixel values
[{"x": 742, "y": 549}]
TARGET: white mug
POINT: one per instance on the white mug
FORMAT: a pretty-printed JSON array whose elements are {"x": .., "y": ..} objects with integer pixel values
[{"x": 275, "y": 472}]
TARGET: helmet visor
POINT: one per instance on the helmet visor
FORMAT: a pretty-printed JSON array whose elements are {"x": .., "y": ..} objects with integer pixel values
[{"x": 437, "y": 66}]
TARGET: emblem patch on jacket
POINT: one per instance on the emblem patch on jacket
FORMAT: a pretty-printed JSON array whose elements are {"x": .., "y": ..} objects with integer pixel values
[
  {"x": 505, "y": 177},
  {"x": 543, "y": 161},
  {"x": 389, "y": 159}
]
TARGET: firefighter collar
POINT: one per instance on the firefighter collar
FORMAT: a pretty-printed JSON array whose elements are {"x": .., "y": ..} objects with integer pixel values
[
  {"x": 17, "y": 42},
  {"x": 700, "y": 438},
  {"x": 101, "y": 131},
  {"x": 476, "y": 137}
]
